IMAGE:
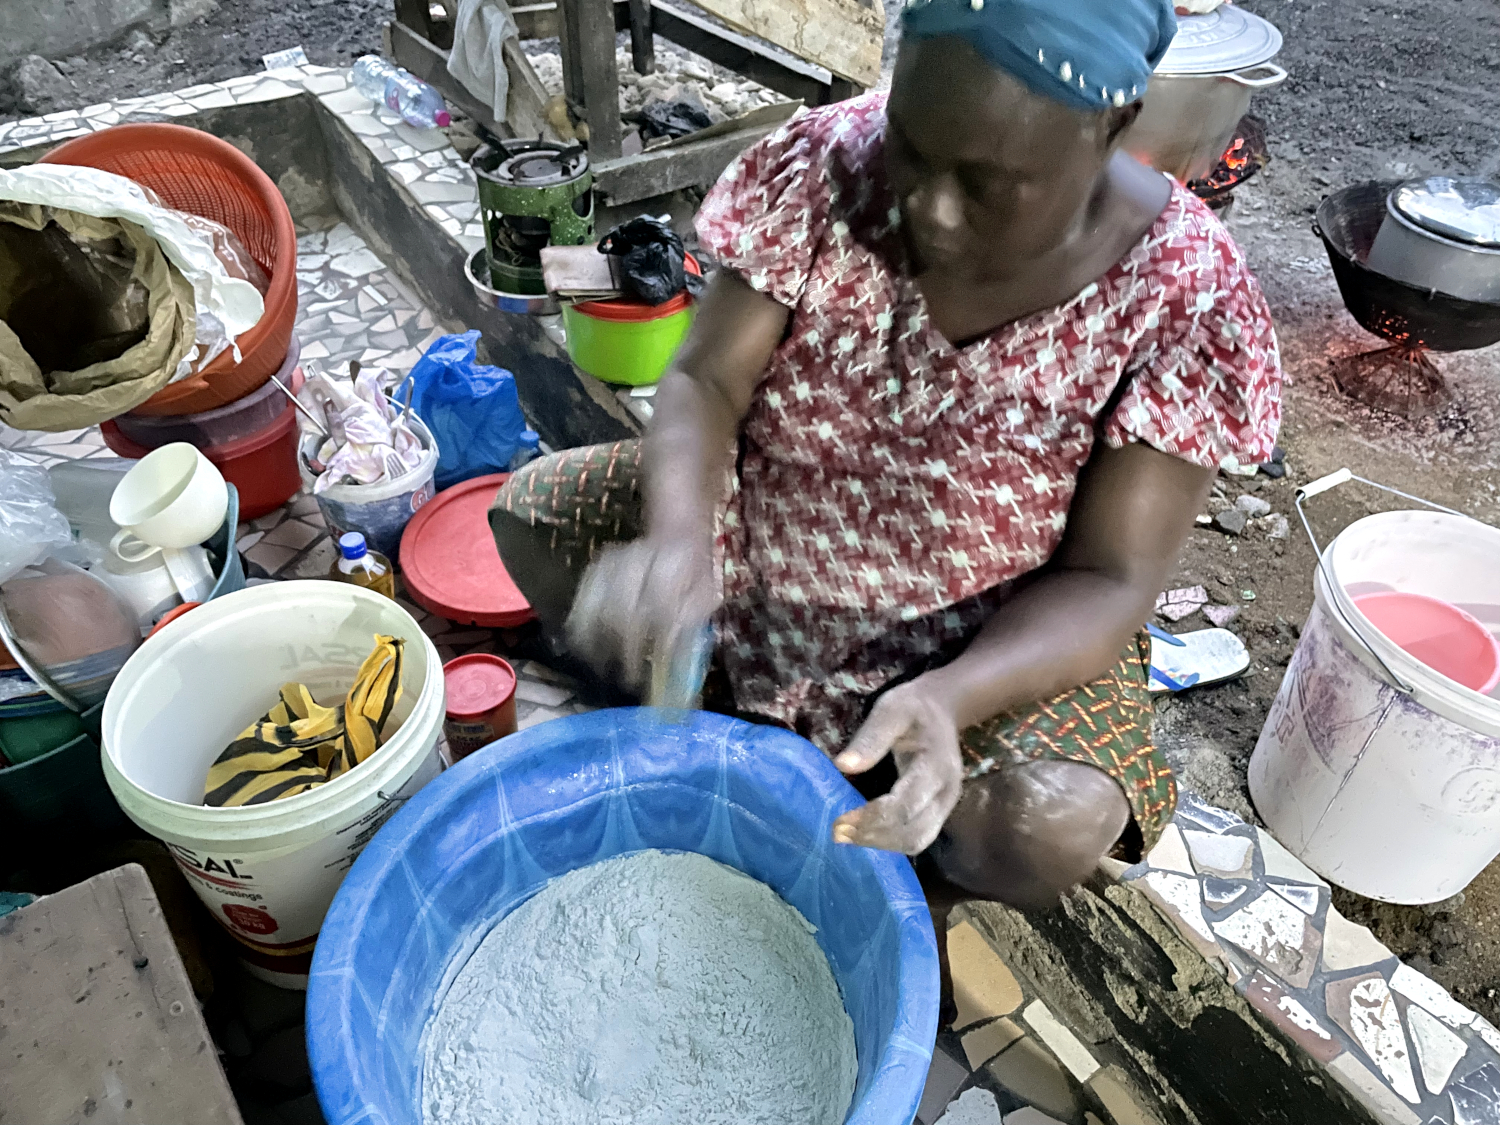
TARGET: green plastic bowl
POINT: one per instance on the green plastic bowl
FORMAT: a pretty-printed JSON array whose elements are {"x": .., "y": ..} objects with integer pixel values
[
  {"x": 60, "y": 800},
  {"x": 21, "y": 740},
  {"x": 628, "y": 341},
  {"x": 634, "y": 354}
]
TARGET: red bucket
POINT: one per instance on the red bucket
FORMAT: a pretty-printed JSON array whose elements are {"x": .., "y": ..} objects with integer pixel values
[{"x": 262, "y": 465}]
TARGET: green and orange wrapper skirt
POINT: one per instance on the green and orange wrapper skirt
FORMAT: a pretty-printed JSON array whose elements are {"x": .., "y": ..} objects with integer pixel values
[{"x": 590, "y": 497}]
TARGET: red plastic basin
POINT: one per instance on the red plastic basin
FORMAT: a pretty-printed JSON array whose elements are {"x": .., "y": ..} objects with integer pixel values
[
  {"x": 195, "y": 171},
  {"x": 1439, "y": 634},
  {"x": 240, "y": 419},
  {"x": 263, "y": 465}
]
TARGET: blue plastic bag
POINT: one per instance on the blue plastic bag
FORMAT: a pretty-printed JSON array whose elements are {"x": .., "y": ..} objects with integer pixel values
[{"x": 471, "y": 409}]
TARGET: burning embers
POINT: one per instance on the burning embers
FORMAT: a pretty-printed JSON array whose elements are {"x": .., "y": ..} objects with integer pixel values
[
  {"x": 1412, "y": 320},
  {"x": 1246, "y": 155}
]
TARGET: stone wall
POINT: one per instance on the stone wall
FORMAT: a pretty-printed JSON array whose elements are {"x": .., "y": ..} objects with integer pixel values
[
  {"x": 1144, "y": 1000},
  {"x": 56, "y": 28}
]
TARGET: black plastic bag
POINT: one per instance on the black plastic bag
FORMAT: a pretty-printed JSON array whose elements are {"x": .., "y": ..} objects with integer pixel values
[
  {"x": 651, "y": 255},
  {"x": 672, "y": 119}
]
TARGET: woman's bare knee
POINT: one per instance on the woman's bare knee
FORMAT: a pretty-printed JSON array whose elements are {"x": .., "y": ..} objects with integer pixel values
[{"x": 1026, "y": 834}]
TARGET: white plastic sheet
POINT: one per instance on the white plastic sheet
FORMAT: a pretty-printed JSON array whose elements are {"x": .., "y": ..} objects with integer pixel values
[
  {"x": 31, "y": 527},
  {"x": 226, "y": 307}
]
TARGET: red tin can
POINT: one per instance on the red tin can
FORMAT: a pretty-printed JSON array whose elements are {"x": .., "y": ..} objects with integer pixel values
[{"x": 481, "y": 702}]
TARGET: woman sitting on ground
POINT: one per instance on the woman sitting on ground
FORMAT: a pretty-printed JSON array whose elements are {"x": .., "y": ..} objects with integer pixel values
[{"x": 933, "y": 446}]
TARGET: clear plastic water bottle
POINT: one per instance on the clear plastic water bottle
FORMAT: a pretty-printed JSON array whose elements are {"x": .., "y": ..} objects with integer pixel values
[{"x": 418, "y": 103}]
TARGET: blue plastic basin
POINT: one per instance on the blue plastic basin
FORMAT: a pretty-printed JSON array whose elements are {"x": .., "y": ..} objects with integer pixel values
[{"x": 490, "y": 832}]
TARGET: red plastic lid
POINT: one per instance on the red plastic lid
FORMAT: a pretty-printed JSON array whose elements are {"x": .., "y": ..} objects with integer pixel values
[
  {"x": 172, "y": 615},
  {"x": 627, "y": 310},
  {"x": 477, "y": 684},
  {"x": 450, "y": 563}
]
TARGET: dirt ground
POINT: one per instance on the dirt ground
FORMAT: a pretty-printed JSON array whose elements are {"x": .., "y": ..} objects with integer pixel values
[
  {"x": 1383, "y": 89},
  {"x": 228, "y": 43}
]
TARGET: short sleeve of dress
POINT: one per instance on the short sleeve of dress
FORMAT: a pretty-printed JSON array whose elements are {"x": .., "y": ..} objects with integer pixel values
[
  {"x": 1206, "y": 372},
  {"x": 765, "y": 216}
]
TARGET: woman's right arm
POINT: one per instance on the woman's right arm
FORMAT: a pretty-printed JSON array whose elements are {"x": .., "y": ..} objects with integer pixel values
[
  {"x": 701, "y": 402},
  {"x": 641, "y": 598}
]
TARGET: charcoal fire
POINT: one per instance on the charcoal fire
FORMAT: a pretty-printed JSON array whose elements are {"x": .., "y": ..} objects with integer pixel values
[
  {"x": 1413, "y": 322},
  {"x": 1246, "y": 155}
]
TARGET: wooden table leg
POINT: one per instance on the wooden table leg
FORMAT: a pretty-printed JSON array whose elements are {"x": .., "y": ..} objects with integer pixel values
[
  {"x": 586, "y": 29},
  {"x": 572, "y": 64},
  {"x": 642, "y": 40}
]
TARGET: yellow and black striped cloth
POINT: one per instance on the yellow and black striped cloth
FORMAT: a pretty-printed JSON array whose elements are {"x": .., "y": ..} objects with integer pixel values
[{"x": 300, "y": 744}]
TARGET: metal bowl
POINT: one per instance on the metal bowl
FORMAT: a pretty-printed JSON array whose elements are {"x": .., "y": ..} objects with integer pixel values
[
  {"x": 527, "y": 304},
  {"x": 1348, "y": 222}
]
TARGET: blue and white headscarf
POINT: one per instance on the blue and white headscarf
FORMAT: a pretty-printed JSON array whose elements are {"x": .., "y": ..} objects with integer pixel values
[{"x": 1088, "y": 54}]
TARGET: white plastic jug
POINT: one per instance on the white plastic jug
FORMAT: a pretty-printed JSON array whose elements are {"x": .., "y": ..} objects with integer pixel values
[
  {"x": 267, "y": 872},
  {"x": 1378, "y": 772}
]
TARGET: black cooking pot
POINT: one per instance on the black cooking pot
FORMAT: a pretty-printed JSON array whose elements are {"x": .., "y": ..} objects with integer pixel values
[{"x": 1347, "y": 222}]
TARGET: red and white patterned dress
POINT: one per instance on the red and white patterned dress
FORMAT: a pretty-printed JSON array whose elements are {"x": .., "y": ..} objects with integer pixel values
[{"x": 892, "y": 485}]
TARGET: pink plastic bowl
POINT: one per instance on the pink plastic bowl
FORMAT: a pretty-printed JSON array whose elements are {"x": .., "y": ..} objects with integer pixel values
[{"x": 1440, "y": 635}]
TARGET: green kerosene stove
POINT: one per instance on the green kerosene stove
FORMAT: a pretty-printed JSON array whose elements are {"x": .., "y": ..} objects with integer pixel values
[{"x": 531, "y": 194}]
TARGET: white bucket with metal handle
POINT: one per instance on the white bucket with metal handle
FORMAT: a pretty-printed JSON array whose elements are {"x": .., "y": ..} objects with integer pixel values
[
  {"x": 267, "y": 872},
  {"x": 1378, "y": 772}
]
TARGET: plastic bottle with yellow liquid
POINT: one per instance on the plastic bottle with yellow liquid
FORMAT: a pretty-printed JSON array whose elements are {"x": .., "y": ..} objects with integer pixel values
[{"x": 363, "y": 567}]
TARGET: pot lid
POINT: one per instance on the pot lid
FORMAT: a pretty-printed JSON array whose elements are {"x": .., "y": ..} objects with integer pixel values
[
  {"x": 1467, "y": 210},
  {"x": 1221, "y": 42}
]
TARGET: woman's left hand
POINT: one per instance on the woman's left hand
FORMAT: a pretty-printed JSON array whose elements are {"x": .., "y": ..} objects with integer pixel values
[{"x": 911, "y": 722}]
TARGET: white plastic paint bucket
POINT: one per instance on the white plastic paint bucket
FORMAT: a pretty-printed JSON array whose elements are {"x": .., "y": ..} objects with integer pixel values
[
  {"x": 267, "y": 872},
  {"x": 1379, "y": 773}
]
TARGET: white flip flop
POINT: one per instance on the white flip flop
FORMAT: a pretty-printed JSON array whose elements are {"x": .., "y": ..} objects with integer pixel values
[{"x": 1206, "y": 656}]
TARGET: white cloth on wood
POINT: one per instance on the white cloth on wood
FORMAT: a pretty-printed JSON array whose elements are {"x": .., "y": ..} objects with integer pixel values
[{"x": 477, "y": 59}]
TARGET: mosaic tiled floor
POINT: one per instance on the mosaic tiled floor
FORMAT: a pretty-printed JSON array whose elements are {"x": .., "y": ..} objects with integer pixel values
[
  {"x": 1009, "y": 1060},
  {"x": 1392, "y": 1037},
  {"x": 350, "y": 307}
]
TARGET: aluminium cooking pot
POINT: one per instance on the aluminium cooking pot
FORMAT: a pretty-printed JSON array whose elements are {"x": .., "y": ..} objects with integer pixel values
[
  {"x": 1348, "y": 222},
  {"x": 1442, "y": 234},
  {"x": 1202, "y": 88}
]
